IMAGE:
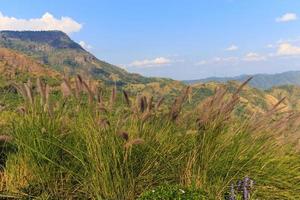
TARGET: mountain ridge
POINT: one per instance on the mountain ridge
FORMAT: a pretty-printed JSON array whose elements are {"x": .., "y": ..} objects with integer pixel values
[{"x": 261, "y": 81}]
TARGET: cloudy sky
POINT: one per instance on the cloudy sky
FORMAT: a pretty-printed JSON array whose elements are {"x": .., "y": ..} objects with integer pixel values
[{"x": 181, "y": 39}]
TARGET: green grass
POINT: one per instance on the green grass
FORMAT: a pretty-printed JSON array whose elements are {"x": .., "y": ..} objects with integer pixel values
[{"x": 75, "y": 150}]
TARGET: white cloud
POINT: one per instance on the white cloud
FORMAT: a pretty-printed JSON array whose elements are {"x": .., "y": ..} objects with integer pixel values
[
  {"x": 287, "y": 17},
  {"x": 287, "y": 49},
  {"x": 85, "y": 45},
  {"x": 232, "y": 48},
  {"x": 250, "y": 57},
  {"x": 45, "y": 22},
  {"x": 253, "y": 57},
  {"x": 160, "y": 61},
  {"x": 218, "y": 60}
]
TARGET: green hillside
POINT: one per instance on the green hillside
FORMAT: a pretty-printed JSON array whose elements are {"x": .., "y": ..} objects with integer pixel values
[{"x": 57, "y": 50}]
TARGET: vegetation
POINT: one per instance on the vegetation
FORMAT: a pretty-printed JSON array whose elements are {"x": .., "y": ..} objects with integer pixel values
[
  {"x": 56, "y": 50},
  {"x": 173, "y": 192},
  {"x": 261, "y": 81},
  {"x": 92, "y": 142}
]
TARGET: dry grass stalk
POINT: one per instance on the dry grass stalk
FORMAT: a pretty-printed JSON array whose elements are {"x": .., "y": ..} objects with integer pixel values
[
  {"x": 78, "y": 87},
  {"x": 178, "y": 103},
  {"x": 28, "y": 89},
  {"x": 124, "y": 135},
  {"x": 5, "y": 138},
  {"x": 41, "y": 90},
  {"x": 149, "y": 104},
  {"x": 113, "y": 97},
  {"x": 146, "y": 115},
  {"x": 243, "y": 85},
  {"x": 137, "y": 141},
  {"x": 275, "y": 107},
  {"x": 47, "y": 96},
  {"x": 218, "y": 108},
  {"x": 21, "y": 110},
  {"x": 274, "y": 121},
  {"x": 66, "y": 88},
  {"x": 89, "y": 90},
  {"x": 141, "y": 104},
  {"x": 21, "y": 89},
  {"x": 127, "y": 100},
  {"x": 159, "y": 103}
]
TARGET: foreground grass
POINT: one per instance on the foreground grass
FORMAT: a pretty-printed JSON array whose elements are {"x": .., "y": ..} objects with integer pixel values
[{"x": 119, "y": 149}]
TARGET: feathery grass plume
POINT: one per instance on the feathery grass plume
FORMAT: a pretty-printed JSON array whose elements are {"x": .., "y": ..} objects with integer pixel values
[
  {"x": 275, "y": 107},
  {"x": 149, "y": 103},
  {"x": 41, "y": 90},
  {"x": 100, "y": 102},
  {"x": 140, "y": 102},
  {"x": 28, "y": 89},
  {"x": 127, "y": 100},
  {"x": 159, "y": 103},
  {"x": 89, "y": 90},
  {"x": 243, "y": 85},
  {"x": 66, "y": 88},
  {"x": 217, "y": 109},
  {"x": 266, "y": 120},
  {"x": 145, "y": 102},
  {"x": 124, "y": 135},
  {"x": 47, "y": 105},
  {"x": 5, "y": 138},
  {"x": 146, "y": 115},
  {"x": 174, "y": 111},
  {"x": 190, "y": 94},
  {"x": 78, "y": 87},
  {"x": 178, "y": 103},
  {"x": 21, "y": 89},
  {"x": 132, "y": 142},
  {"x": 100, "y": 97},
  {"x": 21, "y": 110},
  {"x": 113, "y": 97}
]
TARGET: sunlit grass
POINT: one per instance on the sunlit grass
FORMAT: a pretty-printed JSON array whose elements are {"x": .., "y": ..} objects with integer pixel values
[{"x": 82, "y": 147}]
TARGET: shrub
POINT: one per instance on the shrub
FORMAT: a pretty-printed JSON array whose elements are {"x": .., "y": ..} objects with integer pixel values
[{"x": 173, "y": 192}]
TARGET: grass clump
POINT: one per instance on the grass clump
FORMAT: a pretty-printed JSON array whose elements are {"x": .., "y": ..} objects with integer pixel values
[{"x": 95, "y": 144}]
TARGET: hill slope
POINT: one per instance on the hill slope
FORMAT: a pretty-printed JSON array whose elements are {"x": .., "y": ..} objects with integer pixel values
[
  {"x": 57, "y": 50},
  {"x": 15, "y": 66},
  {"x": 262, "y": 81}
]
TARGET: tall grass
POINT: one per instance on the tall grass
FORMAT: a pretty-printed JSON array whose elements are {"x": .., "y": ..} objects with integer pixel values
[{"x": 90, "y": 145}]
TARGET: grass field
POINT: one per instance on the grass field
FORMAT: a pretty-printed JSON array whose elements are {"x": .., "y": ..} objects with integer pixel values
[{"x": 85, "y": 143}]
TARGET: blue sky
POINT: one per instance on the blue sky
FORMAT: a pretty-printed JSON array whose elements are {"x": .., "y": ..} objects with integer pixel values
[{"x": 181, "y": 39}]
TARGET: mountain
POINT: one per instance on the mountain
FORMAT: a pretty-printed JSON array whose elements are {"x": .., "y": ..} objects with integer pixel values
[
  {"x": 262, "y": 81},
  {"x": 56, "y": 50}
]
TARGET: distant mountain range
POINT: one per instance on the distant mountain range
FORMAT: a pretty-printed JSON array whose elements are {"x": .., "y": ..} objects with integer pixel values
[{"x": 261, "y": 81}]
